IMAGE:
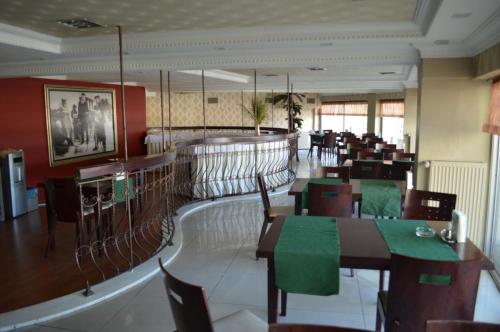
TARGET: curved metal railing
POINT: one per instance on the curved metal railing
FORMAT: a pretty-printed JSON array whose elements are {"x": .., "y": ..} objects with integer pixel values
[{"x": 127, "y": 208}]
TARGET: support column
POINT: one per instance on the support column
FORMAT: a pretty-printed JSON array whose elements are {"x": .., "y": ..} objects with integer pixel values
[{"x": 372, "y": 119}]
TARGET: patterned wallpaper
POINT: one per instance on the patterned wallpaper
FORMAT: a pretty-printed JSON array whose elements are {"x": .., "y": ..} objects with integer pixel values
[{"x": 187, "y": 110}]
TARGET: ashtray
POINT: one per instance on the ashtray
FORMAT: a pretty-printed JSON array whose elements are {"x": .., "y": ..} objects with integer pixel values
[
  {"x": 446, "y": 239},
  {"x": 424, "y": 232}
]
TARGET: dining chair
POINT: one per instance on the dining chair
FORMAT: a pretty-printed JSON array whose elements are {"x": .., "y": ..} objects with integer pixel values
[
  {"x": 334, "y": 200},
  {"x": 270, "y": 213},
  {"x": 328, "y": 144},
  {"x": 428, "y": 205},
  {"x": 366, "y": 169},
  {"x": 353, "y": 152},
  {"x": 403, "y": 156},
  {"x": 341, "y": 172},
  {"x": 63, "y": 205},
  {"x": 309, "y": 328},
  {"x": 388, "y": 153},
  {"x": 367, "y": 155},
  {"x": 460, "y": 326},
  {"x": 421, "y": 290},
  {"x": 399, "y": 168},
  {"x": 191, "y": 314},
  {"x": 316, "y": 141}
]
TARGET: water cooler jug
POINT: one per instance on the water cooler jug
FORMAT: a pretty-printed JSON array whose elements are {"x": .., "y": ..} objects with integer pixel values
[{"x": 13, "y": 183}]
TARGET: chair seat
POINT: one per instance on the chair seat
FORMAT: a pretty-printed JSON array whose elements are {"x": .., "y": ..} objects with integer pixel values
[
  {"x": 276, "y": 211},
  {"x": 240, "y": 321}
]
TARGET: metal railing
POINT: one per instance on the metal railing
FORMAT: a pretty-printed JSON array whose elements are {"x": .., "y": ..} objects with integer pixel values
[{"x": 127, "y": 208}]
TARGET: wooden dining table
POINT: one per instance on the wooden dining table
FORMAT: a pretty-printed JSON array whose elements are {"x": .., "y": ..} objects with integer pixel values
[
  {"x": 300, "y": 183},
  {"x": 361, "y": 247}
]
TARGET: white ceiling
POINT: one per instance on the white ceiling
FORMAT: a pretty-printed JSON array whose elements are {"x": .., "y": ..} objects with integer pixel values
[{"x": 354, "y": 40}]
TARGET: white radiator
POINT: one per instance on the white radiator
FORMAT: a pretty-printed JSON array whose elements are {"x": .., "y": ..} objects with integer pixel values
[{"x": 468, "y": 180}]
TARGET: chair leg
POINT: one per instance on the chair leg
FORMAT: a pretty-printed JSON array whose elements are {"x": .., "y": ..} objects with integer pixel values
[
  {"x": 263, "y": 229},
  {"x": 378, "y": 322},
  {"x": 359, "y": 209},
  {"x": 284, "y": 299}
]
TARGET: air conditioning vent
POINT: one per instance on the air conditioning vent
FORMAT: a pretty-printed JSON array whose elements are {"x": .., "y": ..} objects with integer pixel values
[
  {"x": 311, "y": 101},
  {"x": 212, "y": 100},
  {"x": 79, "y": 23}
]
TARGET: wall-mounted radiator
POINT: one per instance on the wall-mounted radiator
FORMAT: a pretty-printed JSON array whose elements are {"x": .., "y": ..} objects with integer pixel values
[{"x": 468, "y": 180}]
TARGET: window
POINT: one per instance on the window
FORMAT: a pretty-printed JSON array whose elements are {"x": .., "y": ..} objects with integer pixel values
[
  {"x": 345, "y": 116},
  {"x": 392, "y": 113}
]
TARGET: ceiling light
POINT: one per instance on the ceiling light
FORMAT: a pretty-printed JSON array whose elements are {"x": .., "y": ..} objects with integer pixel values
[
  {"x": 461, "y": 15},
  {"x": 387, "y": 72},
  {"x": 316, "y": 68},
  {"x": 441, "y": 42},
  {"x": 220, "y": 74},
  {"x": 78, "y": 23}
]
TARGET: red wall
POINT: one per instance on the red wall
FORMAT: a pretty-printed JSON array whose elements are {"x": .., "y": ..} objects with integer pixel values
[{"x": 23, "y": 126}]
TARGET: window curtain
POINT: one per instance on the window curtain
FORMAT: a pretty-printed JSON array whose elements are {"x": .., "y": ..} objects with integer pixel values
[
  {"x": 492, "y": 124},
  {"x": 392, "y": 108},
  {"x": 345, "y": 108}
]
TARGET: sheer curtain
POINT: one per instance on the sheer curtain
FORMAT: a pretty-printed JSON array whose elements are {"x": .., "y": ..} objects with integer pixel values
[
  {"x": 392, "y": 113},
  {"x": 492, "y": 124},
  {"x": 342, "y": 116}
]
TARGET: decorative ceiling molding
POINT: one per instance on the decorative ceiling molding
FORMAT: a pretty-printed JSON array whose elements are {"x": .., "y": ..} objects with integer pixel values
[
  {"x": 425, "y": 12},
  {"x": 15, "y": 36},
  {"x": 486, "y": 35}
]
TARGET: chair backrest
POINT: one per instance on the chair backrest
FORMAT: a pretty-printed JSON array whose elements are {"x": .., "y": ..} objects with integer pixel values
[
  {"x": 353, "y": 152},
  {"x": 367, "y": 154},
  {"x": 308, "y": 328},
  {"x": 329, "y": 140},
  {"x": 388, "y": 153},
  {"x": 421, "y": 290},
  {"x": 428, "y": 205},
  {"x": 460, "y": 326},
  {"x": 263, "y": 194},
  {"x": 327, "y": 131},
  {"x": 62, "y": 199},
  {"x": 188, "y": 303},
  {"x": 403, "y": 156},
  {"x": 399, "y": 169},
  {"x": 330, "y": 200},
  {"x": 366, "y": 170},
  {"x": 341, "y": 172}
]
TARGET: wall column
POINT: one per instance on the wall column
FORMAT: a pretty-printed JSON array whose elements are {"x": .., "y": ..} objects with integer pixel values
[{"x": 371, "y": 126}]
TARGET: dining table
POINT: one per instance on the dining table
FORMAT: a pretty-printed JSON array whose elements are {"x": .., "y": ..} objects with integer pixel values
[
  {"x": 361, "y": 247},
  {"x": 298, "y": 186}
]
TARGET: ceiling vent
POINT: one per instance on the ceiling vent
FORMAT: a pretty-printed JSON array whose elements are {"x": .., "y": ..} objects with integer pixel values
[
  {"x": 212, "y": 100},
  {"x": 461, "y": 15},
  {"x": 316, "y": 68},
  {"x": 387, "y": 72},
  {"x": 79, "y": 23},
  {"x": 441, "y": 42}
]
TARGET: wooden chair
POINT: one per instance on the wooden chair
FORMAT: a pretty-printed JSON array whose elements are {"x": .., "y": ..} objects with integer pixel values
[
  {"x": 388, "y": 153},
  {"x": 427, "y": 205},
  {"x": 413, "y": 297},
  {"x": 341, "y": 172},
  {"x": 316, "y": 141},
  {"x": 366, "y": 170},
  {"x": 270, "y": 213},
  {"x": 190, "y": 310},
  {"x": 63, "y": 205},
  {"x": 328, "y": 144},
  {"x": 460, "y": 326},
  {"x": 353, "y": 152},
  {"x": 399, "y": 168},
  {"x": 403, "y": 156},
  {"x": 308, "y": 328},
  {"x": 367, "y": 155},
  {"x": 330, "y": 200}
]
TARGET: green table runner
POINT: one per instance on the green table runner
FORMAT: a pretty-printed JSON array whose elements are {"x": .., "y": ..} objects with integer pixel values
[
  {"x": 305, "y": 191},
  {"x": 381, "y": 198},
  {"x": 307, "y": 256},
  {"x": 400, "y": 237}
]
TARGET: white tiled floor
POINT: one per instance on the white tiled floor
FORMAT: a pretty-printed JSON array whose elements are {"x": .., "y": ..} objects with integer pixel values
[{"x": 219, "y": 254}]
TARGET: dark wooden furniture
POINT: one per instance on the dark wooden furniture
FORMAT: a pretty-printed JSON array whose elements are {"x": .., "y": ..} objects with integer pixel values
[
  {"x": 353, "y": 152},
  {"x": 388, "y": 153},
  {"x": 328, "y": 144},
  {"x": 316, "y": 141},
  {"x": 361, "y": 247},
  {"x": 366, "y": 170},
  {"x": 190, "y": 309},
  {"x": 340, "y": 172},
  {"x": 403, "y": 156},
  {"x": 460, "y": 326},
  {"x": 63, "y": 205},
  {"x": 270, "y": 212},
  {"x": 308, "y": 328},
  {"x": 333, "y": 200},
  {"x": 428, "y": 205},
  {"x": 367, "y": 155},
  {"x": 300, "y": 183},
  {"x": 412, "y": 299},
  {"x": 399, "y": 168}
]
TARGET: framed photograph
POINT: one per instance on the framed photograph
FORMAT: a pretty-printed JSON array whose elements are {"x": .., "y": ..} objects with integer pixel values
[{"x": 81, "y": 123}]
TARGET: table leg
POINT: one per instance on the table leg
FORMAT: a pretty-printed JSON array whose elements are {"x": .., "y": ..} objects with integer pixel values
[
  {"x": 272, "y": 295},
  {"x": 381, "y": 281},
  {"x": 298, "y": 205},
  {"x": 283, "y": 303}
]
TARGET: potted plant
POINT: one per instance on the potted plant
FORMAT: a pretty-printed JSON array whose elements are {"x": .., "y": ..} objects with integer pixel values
[
  {"x": 258, "y": 112},
  {"x": 295, "y": 121}
]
